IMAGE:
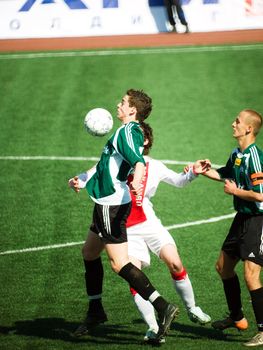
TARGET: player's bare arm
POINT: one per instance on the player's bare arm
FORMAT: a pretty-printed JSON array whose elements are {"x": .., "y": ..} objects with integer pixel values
[
  {"x": 135, "y": 185},
  {"x": 212, "y": 174},
  {"x": 79, "y": 181}
]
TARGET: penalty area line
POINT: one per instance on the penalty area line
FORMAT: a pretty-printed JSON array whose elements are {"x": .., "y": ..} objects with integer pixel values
[{"x": 70, "y": 244}]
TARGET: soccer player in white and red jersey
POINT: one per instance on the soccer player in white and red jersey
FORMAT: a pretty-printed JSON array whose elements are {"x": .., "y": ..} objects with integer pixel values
[
  {"x": 243, "y": 177},
  {"x": 146, "y": 233}
]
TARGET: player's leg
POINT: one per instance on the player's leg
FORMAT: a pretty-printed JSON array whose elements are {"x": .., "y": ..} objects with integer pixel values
[
  {"x": 140, "y": 257},
  {"x": 145, "y": 307},
  {"x": 162, "y": 244},
  {"x": 91, "y": 251},
  {"x": 252, "y": 278},
  {"x": 225, "y": 266},
  {"x": 118, "y": 256},
  {"x": 182, "y": 284},
  {"x": 252, "y": 269}
]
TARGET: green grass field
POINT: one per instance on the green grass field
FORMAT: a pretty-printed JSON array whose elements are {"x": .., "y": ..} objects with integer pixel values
[{"x": 197, "y": 92}]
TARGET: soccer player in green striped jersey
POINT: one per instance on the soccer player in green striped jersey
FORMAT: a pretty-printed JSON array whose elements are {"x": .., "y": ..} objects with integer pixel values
[
  {"x": 108, "y": 188},
  {"x": 243, "y": 176}
]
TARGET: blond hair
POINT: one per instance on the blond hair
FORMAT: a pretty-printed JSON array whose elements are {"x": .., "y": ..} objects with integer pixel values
[{"x": 254, "y": 119}]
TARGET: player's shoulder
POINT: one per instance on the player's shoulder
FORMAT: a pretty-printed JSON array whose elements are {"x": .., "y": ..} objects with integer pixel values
[
  {"x": 255, "y": 152},
  {"x": 130, "y": 128},
  {"x": 154, "y": 163},
  {"x": 255, "y": 148}
]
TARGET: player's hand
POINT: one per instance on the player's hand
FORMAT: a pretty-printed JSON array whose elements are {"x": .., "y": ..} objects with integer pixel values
[
  {"x": 201, "y": 166},
  {"x": 230, "y": 187},
  {"x": 187, "y": 168},
  {"x": 135, "y": 188},
  {"x": 74, "y": 183}
]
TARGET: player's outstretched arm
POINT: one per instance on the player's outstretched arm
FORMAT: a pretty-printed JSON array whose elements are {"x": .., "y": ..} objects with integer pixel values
[
  {"x": 212, "y": 174},
  {"x": 79, "y": 181}
]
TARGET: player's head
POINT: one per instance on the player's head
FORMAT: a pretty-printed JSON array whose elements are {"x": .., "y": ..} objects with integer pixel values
[
  {"x": 148, "y": 137},
  {"x": 141, "y": 101},
  {"x": 247, "y": 123},
  {"x": 253, "y": 119}
]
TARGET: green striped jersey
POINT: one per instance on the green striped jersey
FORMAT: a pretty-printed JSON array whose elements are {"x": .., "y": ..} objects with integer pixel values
[
  {"x": 120, "y": 154},
  {"x": 245, "y": 168}
]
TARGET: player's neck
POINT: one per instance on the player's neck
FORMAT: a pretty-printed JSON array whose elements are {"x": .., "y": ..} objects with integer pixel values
[
  {"x": 129, "y": 119},
  {"x": 245, "y": 142}
]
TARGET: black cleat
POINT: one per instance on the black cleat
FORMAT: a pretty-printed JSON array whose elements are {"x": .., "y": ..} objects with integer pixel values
[
  {"x": 92, "y": 320},
  {"x": 165, "y": 320}
]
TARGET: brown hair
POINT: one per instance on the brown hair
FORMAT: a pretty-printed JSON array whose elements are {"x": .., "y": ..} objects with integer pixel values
[
  {"x": 148, "y": 135},
  {"x": 142, "y": 102}
]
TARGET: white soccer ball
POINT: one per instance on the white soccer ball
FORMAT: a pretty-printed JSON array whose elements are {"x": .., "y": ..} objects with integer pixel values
[{"x": 98, "y": 122}]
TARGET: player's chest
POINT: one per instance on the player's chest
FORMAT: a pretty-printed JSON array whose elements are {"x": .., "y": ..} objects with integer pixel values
[{"x": 241, "y": 169}]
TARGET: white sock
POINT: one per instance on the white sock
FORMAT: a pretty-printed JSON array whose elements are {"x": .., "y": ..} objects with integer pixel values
[
  {"x": 147, "y": 312},
  {"x": 183, "y": 287}
]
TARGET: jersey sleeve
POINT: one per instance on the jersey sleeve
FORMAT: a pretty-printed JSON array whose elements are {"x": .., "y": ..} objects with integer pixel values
[
  {"x": 173, "y": 178},
  {"x": 226, "y": 172},
  {"x": 256, "y": 170},
  {"x": 130, "y": 144}
]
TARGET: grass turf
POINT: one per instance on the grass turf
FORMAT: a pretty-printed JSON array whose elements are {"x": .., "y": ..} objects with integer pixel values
[{"x": 196, "y": 96}]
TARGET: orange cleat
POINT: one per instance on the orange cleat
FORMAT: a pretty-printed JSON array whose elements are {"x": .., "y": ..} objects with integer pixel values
[{"x": 241, "y": 325}]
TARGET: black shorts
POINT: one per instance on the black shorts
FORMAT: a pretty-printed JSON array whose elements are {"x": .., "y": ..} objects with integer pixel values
[
  {"x": 109, "y": 222},
  {"x": 245, "y": 238}
]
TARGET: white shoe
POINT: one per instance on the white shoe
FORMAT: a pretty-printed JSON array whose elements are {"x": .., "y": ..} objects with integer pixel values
[
  {"x": 151, "y": 337},
  {"x": 257, "y": 340},
  {"x": 196, "y": 315}
]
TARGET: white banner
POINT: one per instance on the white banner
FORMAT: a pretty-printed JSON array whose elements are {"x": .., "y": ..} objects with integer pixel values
[{"x": 70, "y": 18}]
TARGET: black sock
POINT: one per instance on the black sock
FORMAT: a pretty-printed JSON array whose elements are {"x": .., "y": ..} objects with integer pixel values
[
  {"x": 94, "y": 277},
  {"x": 233, "y": 297},
  {"x": 257, "y": 303},
  {"x": 139, "y": 281},
  {"x": 159, "y": 304}
]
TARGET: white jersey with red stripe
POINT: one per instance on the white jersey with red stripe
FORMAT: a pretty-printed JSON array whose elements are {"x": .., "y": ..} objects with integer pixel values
[
  {"x": 145, "y": 231},
  {"x": 157, "y": 172}
]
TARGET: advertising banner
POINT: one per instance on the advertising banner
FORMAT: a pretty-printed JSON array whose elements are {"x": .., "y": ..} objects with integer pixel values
[{"x": 72, "y": 18}]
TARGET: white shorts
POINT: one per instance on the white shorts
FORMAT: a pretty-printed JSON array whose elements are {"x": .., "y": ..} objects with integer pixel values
[{"x": 149, "y": 235}]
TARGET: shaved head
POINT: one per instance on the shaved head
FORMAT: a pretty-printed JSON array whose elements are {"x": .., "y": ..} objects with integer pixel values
[{"x": 252, "y": 118}]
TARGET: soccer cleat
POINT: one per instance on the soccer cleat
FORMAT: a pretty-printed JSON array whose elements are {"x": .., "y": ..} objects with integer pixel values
[
  {"x": 151, "y": 337},
  {"x": 257, "y": 340},
  {"x": 165, "y": 320},
  {"x": 196, "y": 315},
  {"x": 241, "y": 325},
  {"x": 91, "y": 320}
]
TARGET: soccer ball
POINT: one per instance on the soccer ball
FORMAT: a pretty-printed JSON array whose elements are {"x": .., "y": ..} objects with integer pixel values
[{"x": 98, "y": 122}]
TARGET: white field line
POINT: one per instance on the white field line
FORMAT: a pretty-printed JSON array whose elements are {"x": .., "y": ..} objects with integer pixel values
[
  {"x": 200, "y": 222},
  {"x": 93, "y": 159},
  {"x": 70, "y": 244},
  {"x": 143, "y": 51}
]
